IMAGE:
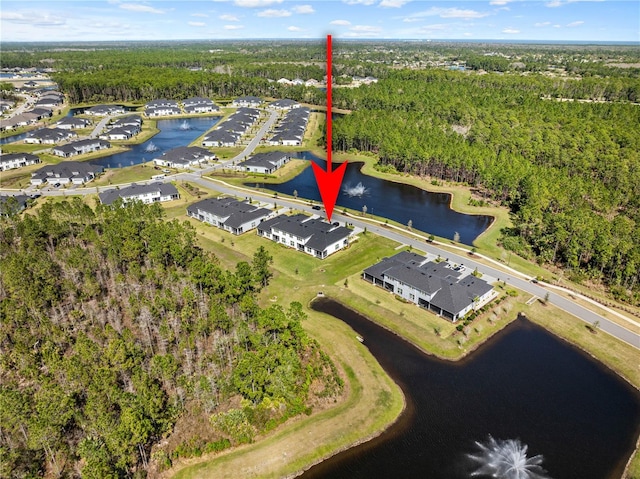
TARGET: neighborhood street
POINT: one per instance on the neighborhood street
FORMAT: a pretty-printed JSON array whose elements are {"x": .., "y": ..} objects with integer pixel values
[{"x": 513, "y": 278}]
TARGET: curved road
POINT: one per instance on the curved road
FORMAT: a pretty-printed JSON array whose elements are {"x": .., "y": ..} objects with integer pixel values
[{"x": 515, "y": 278}]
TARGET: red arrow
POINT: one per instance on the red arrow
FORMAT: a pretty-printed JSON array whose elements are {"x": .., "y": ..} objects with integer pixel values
[{"x": 329, "y": 181}]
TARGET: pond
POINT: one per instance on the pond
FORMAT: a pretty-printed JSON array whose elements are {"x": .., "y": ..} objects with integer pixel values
[
  {"x": 428, "y": 212},
  {"x": 173, "y": 133},
  {"x": 525, "y": 386}
]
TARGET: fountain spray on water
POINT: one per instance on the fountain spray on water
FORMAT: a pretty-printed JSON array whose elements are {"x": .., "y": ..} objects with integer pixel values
[
  {"x": 506, "y": 460},
  {"x": 151, "y": 147},
  {"x": 358, "y": 190}
]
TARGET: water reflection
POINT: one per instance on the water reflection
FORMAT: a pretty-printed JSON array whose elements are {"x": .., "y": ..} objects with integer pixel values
[
  {"x": 172, "y": 134},
  {"x": 524, "y": 383},
  {"x": 428, "y": 212}
]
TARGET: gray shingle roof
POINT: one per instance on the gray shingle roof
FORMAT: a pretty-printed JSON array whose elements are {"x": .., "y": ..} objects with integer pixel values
[
  {"x": 318, "y": 233},
  {"x": 232, "y": 212},
  {"x": 109, "y": 196},
  {"x": 452, "y": 294},
  {"x": 264, "y": 160}
]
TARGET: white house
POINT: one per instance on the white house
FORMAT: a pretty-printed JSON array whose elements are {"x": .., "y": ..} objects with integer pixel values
[
  {"x": 76, "y": 172},
  {"x": 80, "y": 147},
  {"x": 265, "y": 163},
  {"x": 439, "y": 287},
  {"x": 247, "y": 101},
  {"x": 152, "y": 193},
  {"x": 285, "y": 104},
  {"x": 17, "y": 160},
  {"x": 49, "y": 136},
  {"x": 184, "y": 156},
  {"x": 73, "y": 122},
  {"x": 199, "y": 105},
  {"x": 104, "y": 110},
  {"x": 221, "y": 138},
  {"x": 119, "y": 133},
  {"x": 229, "y": 214},
  {"x": 315, "y": 237}
]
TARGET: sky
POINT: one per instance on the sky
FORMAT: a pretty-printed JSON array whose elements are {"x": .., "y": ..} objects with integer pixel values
[{"x": 95, "y": 20}]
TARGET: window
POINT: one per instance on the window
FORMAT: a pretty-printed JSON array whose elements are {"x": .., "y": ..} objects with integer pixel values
[
  {"x": 412, "y": 297},
  {"x": 399, "y": 290}
]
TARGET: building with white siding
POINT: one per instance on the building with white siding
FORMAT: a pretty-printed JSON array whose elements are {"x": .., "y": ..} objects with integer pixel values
[
  {"x": 229, "y": 214},
  {"x": 445, "y": 289},
  {"x": 153, "y": 193},
  {"x": 313, "y": 236}
]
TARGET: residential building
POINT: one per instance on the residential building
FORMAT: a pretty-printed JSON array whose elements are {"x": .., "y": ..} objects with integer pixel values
[
  {"x": 163, "y": 111},
  {"x": 66, "y": 172},
  {"x": 49, "y": 136},
  {"x": 129, "y": 120},
  {"x": 184, "y": 156},
  {"x": 13, "y": 204},
  {"x": 73, "y": 123},
  {"x": 221, "y": 138},
  {"x": 155, "y": 192},
  {"x": 447, "y": 290},
  {"x": 120, "y": 133},
  {"x": 199, "y": 105},
  {"x": 229, "y": 214},
  {"x": 230, "y": 132},
  {"x": 247, "y": 101},
  {"x": 17, "y": 160},
  {"x": 105, "y": 110},
  {"x": 162, "y": 107},
  {"x": 285, "y": 104},
  {"x": 265, "y": 163},
  {"x": 80, "y": 147},
  {"x": 313, "y": 236}
]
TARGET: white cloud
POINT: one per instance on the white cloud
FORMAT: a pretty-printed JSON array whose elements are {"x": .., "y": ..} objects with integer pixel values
[
  {"x": 559, "y": 3},
  {"x": 340, "y": 22},
  {"x": 451, "y": 12},
  {"x": 197, "y": 24},
  {"x": 499, "y": 2},
  {"x": 434, "y": 26},
  {"x": 359, "y": 2},
  {"x": 233, "y": 27},
  {"x": 365, "y": 29},
  {"x": 303, "y": 9},
  {"x": 272, "y": 13},
  {"x": 256, "y": 3},
  {"x": 393, "y": 3},
  {"x": 294, "y": 29},
  {"x": 467, "y": 34},
  {"x": 229, "y": 18},
  {"x": 510, "y": 30},
  {"x": 575, "y": 24},
  {"x": 136, "y": 7},
  {"x": 542, "y": 24},
  {"x": 32, "y": 18},
  {"x": 202, "y": 15}
]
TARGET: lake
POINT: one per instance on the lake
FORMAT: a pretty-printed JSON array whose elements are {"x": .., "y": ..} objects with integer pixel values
[
  {"x": 524, "y": 384},
  {"x": 173, "y": 133},
  {"x": 429, "y": 212}
]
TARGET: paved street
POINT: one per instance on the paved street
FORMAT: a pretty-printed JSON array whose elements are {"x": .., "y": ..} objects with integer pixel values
[{"x": 512, "y": 278}]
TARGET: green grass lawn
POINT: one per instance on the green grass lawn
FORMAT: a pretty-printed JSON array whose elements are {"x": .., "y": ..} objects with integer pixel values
[{"x": 116, "y": 176}]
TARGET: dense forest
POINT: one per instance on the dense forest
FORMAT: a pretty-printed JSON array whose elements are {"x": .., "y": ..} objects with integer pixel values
[
  {"x": 139, "y": 84},
  {"x": 114, "y": 324},
  {"x": 570, "y": 172}
]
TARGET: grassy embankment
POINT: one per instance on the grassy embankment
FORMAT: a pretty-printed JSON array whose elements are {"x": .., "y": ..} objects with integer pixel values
[{"x": 299, "y": 277}]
